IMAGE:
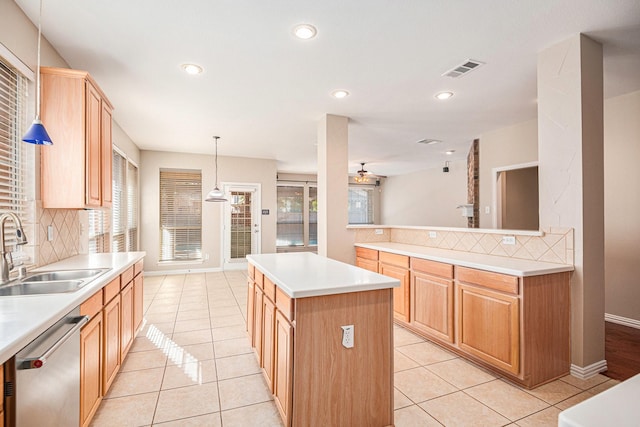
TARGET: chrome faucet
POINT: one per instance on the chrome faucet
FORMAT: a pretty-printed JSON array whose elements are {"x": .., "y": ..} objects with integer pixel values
[{"x": 6, "y": 265}]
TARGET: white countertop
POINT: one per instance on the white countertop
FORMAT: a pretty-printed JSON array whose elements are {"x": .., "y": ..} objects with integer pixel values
[
  {"x": 305, "y": 274},
  {"x": 512, "y": 266},
  {"x": 617, "y": 406},
  {"x": 23, "y": 318}
]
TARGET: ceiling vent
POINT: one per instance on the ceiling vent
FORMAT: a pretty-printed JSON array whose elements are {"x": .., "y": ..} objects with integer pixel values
[
  {"x": 428, "y": 141},
  {"x": 464, "y": 68}
]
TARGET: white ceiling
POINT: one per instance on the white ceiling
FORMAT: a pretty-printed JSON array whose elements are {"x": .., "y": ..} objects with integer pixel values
[{"x": 263, "y": 91}]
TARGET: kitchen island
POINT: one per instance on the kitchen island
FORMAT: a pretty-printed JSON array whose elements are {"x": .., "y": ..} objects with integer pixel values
[{"x": 322, "y": 331}]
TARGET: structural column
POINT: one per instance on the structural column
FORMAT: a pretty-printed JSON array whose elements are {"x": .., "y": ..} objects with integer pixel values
[
  {"x": 334, "y": 241},
  {"x": 571, "y": 178}
]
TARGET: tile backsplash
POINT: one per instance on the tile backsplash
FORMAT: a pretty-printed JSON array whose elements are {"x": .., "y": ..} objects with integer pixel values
[
  {"x": 66, "y": 234},
  {"x": 555, "y": 245}
]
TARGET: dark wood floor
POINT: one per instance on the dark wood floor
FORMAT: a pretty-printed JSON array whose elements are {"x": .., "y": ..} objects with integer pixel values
[{"x": 622, "y": 351}]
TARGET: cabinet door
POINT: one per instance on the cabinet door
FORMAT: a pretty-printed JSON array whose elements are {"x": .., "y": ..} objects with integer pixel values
[
  {"x": 138, "y": 302},
  {"x": 250, "y": 309},
  {"x": 257, "y": 322},
  {"x": 126, "y": 320},
  {"x": 268, "y": 324},
  {"x": 367, "y": 264},
  {"x": 111, "y": 343},
  {"x": 432, "y": 305},
  {"x": 400, "y": 295},
  {"x": 282, "y": 387},
  {"x": 106, "y": 148},
  {"x": 489, "y": 327},
  {"x": 93, "y": 163},
  {"x": 1, "y": 395},
  {"x": 90, "y": 372}
]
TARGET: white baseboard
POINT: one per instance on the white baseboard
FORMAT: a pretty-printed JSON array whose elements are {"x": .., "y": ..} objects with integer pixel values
[
  {"x": 181, "y": 271},
  {"x": 588, "y": 371},
  {"x": 625, "y": 321}
]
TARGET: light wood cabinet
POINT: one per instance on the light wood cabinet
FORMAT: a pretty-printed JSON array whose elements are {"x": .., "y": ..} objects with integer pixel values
[
  {"x": 258, "y": 305},
  {"x": 251, "y": 296},
  {"x": 90, "y": 369},
  {"x": 111, "y": 359},
  {"x": 138, "y": 302},
  {"x": 77, "y": 116},
  {"x": 367, "y": 259},
  {"x": 126, "y": 320},
  {"x": 397, "y": 267},
  {"x": 268, "y": 324},
  {"x": 489, "y": 326},
  {"x": 432, "y": 299},
  {"x": 282, "y": 385},
  {"x": 1, "y": 395}
]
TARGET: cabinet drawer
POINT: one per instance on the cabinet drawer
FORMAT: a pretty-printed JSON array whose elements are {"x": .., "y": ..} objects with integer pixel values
[
  {"x": 285, "y": 304},
  {"x": 269, "y": 289},
  {"x": 496, "y": 281},
  {"x": 92, "y": 305},
  {"x": 394, "y": 259},
  {"x": 259, "y": 278},
  {"x": 111, "y": 290},
  {"x": 251, "y": 271},
  {"x": 138, "y": 267},
  {"x": 126, "y": 277},
  {"x": 365, "y": 253},
  {"x": 432, "y": 267}
]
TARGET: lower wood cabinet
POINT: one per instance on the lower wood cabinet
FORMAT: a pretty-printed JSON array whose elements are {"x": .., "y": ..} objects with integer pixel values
[
  {"x": 1, "y": 395},
  {"x": 489, "y": 326},
  {"x": 268, "y": 324},
  {"x": 138, "y": 302},
  {"x": 432, "y": 305},
  {"x": 90, "y": 369},
  {"x": 126, "y": 320},
  {"x": 257, "y": 322},
  {"x": 111, "y": 327},
  {"x": 251, "y": 295},
  {"x": 401, "y": 307},
  {"x": 282, "y": 382}
]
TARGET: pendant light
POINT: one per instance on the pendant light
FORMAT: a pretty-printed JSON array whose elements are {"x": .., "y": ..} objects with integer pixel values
[
  {"x": 37, "y": 134},
  {"x": 216, "y": 195}
]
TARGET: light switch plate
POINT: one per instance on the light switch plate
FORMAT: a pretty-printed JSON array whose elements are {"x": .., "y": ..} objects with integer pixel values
[
  {"x": 50, "y": 233},
  {"x": 379, "y": 231},
  {"x": 508, "y": 240},
  {"x": 433, "y": 234}
]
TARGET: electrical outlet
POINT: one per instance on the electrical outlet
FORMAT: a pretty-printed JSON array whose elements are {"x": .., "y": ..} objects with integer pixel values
[
  {"x": 508, "y": 240},
  {"x": 379, "y": 231},
  {"x": 347, "y": 336},
  {"x": 487, "y": 209},
  {"x": 433, "y": 234}
]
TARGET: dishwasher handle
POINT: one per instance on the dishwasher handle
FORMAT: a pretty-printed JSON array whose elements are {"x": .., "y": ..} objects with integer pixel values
[{"x": 40, "y": 361}]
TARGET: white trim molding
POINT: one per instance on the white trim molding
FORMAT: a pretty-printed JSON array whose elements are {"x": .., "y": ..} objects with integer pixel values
[
  {"x": 625, "y": 321},
  {"x": 588, "y": 371}
]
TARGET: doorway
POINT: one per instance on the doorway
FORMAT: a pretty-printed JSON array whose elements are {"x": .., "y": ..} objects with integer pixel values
[
  {"x": 515, "y": 195},
  {"x": 242, "y": 224}
]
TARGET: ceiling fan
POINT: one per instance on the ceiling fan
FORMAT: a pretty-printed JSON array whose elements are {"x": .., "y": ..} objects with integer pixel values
[{"x": 361, "y": 175}]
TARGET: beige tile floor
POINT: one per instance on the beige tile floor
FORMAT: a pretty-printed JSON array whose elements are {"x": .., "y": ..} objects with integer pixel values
[{"x": 191, "y": 365}]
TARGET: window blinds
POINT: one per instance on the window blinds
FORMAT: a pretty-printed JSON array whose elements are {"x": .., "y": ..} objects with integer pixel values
[
  {"x": 119, "y": 204},
  {"x": 360, "y": 205},
  {"x": 13, "y": 153},
  {"x": 132, "y": 206},
  {"x": 180, "y": 215}
]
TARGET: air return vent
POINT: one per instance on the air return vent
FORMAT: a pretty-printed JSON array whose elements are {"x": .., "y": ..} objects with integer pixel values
[{"x": 464, "y": 68}]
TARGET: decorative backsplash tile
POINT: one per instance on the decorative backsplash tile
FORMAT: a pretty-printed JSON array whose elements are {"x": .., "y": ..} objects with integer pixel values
[
  {"x": 66, "y": 234},
  {"x": 555, "y": 245}
]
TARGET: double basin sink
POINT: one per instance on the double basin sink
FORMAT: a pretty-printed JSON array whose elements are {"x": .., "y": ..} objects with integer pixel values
[{"x": 51, "y": 282}]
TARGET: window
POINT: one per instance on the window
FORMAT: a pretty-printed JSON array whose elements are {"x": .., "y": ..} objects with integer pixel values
[
  {"x": 180, "y": 215},
  {"x": 16, "y": 190},
  {"x": 98, "y": 233},
  {"x": 297, "y": 222},
  {"x": 360, "y": 205},
  {"x": 125, "y": 204}
]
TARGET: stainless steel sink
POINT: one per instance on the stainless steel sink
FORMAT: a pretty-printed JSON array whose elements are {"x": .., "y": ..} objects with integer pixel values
[
  {"x": 51, "y": 282},
  {"x": 54, "y": 276}
]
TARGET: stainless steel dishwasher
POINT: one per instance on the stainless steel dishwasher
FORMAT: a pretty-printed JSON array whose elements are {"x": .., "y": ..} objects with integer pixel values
[{"x": 48, "y": 376}]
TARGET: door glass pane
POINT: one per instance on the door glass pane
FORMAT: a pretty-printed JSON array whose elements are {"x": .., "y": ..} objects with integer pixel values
[
  {"x": 313, "y": 216},
  {"x": 241, "y": 222},
  {"x": 290, "y": 228}
]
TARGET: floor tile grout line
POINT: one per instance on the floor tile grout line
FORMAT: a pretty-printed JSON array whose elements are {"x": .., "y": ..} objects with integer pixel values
[{"x": 214, "y": 358}]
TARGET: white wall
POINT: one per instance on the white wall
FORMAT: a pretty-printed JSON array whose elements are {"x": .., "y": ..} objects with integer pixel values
[
  {"x": 513, "y": 145},
  {"x": 622, "y": 205},
  {"x": 231, "y": 169},
  {"x": 428, "y": 197}
]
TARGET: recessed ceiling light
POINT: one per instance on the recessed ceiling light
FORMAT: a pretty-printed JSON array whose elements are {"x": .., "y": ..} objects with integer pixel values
[
  {"x": 192, "y": 69},
  {"x": 429, "y": 141},
  {"x": 450, "y": 152},
  {"x": 444, "y": 95},
  {"x": 340, "y": 93},
  {"x": 305, "y": 31}
]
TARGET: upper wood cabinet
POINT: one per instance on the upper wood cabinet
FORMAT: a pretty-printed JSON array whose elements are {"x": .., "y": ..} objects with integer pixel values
[{"x": 76, "y": 170}]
